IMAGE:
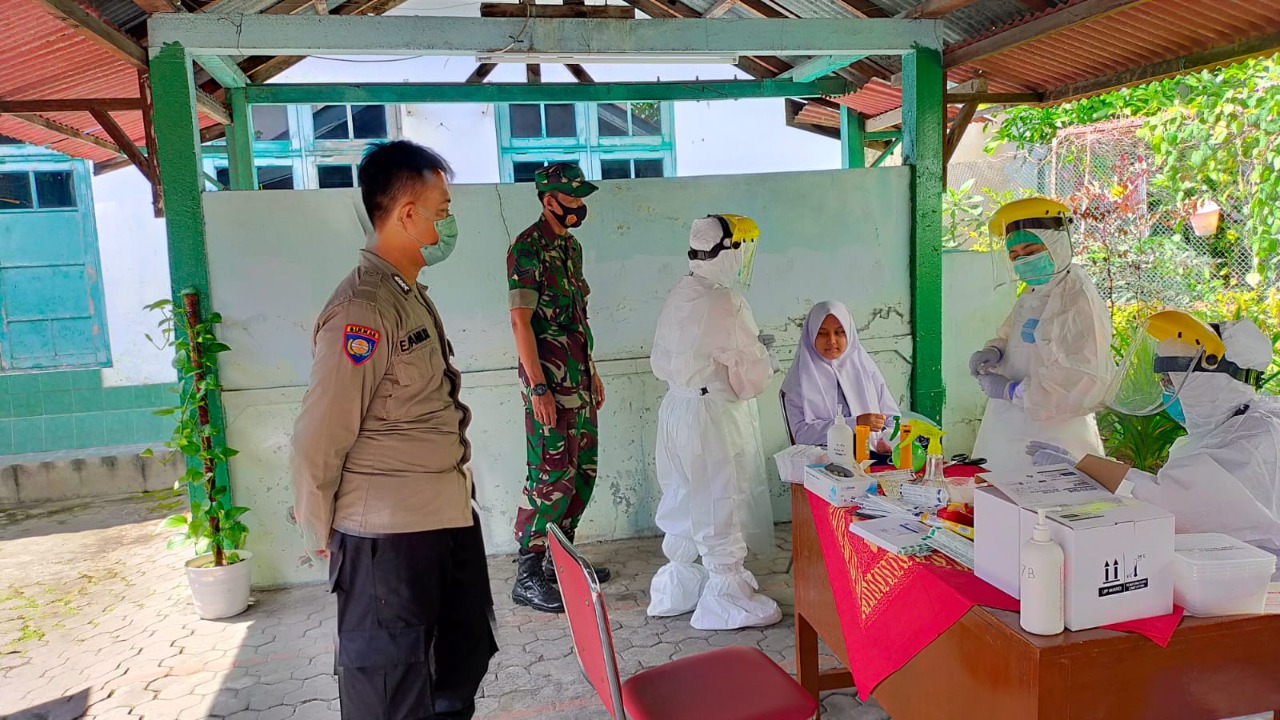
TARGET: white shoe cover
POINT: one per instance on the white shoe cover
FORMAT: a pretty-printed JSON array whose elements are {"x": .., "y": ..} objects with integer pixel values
[
  {"x": 730, "y": 602},
  {"x": 676, "y": 588}
]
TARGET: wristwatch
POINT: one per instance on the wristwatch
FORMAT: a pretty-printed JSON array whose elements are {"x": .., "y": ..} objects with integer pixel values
[{"x": 538, "y": 390}]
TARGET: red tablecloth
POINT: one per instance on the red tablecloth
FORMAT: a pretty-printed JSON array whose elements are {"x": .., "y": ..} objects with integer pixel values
[{"x": 891, "y": 607}]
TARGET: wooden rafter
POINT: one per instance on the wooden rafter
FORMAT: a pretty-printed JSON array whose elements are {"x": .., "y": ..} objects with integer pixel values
[
  {"x": 70, "y": 105},
  {"x": 66, "y": 131},
  {"x": 122, "y": 140},
  {"x": 533, "y": 74},
  {"x": 567, "y": 10},
  {"x": 149, "y": 134},
  {"x": 720, "y": 8},
  {"x": 579, "y": 73},
  {"x": 156, "y": 6},
  {"x": 935, "y": 8},
  {"x": 1053, "y": 22},
  {"x": 956, "y": 132},
  {"x": 120, "y": 45},
  {"x": 883, "y": 121},
  {"x": 482, "y": 71},
  {"x": 994, "y": 98}
]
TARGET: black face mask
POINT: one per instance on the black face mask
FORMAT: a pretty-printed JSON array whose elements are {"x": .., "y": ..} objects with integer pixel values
[{"x": 569, "y": 217}]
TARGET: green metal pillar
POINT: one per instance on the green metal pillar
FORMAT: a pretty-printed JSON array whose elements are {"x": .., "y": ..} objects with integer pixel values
[
  {"x": 240, "y": 142},
  {"x": 178, "y": 151},
  {"x": 852, "y": 143},
  {"x": 923, "y": 88}
]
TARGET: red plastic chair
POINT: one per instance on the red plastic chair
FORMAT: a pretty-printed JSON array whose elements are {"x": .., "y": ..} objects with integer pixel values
[{"x": 732, "y": 683}]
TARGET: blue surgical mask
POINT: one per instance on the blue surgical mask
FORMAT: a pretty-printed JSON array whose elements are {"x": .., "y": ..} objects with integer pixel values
[
  {"x": 1034, "y": 269},
  {"x": 1175, "y": 409},
  {"x": 447, "y": 230}
]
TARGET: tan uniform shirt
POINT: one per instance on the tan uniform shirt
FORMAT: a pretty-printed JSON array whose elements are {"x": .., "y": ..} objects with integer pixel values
[{"x": 380, "y": 446}]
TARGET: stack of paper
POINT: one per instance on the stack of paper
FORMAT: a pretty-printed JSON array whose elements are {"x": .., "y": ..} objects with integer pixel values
[{"x": 898, "y": 535}]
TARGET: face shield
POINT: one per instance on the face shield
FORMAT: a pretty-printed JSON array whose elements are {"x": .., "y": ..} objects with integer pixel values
[
  {"x": 1032, "y": 241},
  {"x": 1164, "y": 352},
  {"x": 736, "y": 245}
]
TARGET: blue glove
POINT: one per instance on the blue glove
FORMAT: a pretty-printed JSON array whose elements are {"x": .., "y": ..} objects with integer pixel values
[
  {"x": 997, "y": 387},
  {"x": 1043, "y": 454},
  {"x": 982, "y": 361}
]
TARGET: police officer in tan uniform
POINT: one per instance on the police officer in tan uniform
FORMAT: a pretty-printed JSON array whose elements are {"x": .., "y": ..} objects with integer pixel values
[{"x": 380, "y": 455}]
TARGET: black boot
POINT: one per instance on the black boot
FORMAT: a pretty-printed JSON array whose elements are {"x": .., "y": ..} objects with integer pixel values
[
  {"x": 531, "y": 587},
  {"x": 549, "y": 568}
]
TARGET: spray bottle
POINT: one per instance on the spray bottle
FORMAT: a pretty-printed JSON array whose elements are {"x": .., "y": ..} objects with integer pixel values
[
  {"x": 1041, "y": 582},
  {"x": 933, "y": 461}
]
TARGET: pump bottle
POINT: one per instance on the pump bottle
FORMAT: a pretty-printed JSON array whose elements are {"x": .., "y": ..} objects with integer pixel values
[
  {"x": 840, "y": 443},
  {"x": 1041, "y": 584}
]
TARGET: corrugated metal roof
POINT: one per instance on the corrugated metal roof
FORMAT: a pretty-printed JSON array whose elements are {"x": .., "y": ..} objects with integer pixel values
[
  {"x": 1141, "y": 35},
  {"x": 124, "y": 14},
  {"x": 47, "y": 60}
]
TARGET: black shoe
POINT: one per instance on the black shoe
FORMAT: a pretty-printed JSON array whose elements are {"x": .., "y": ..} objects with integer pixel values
[
  {"x": 531, "y": 586},
  {"x": 549, "y": 568}
]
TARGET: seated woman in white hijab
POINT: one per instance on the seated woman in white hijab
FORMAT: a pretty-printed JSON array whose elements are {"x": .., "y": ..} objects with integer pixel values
[{"x": 832, "y": 376}]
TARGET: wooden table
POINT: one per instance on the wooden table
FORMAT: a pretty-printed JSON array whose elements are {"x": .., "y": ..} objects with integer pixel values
[{"x": 985, "y": 667}]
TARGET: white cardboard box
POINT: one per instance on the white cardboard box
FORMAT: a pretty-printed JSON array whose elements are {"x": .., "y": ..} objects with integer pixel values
[
  {"x": 841, "y": 492},
  {"x": 1119, "y": 551}
]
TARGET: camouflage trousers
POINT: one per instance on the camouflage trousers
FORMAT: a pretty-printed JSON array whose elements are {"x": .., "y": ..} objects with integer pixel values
[{"x": 562, "y": 473}]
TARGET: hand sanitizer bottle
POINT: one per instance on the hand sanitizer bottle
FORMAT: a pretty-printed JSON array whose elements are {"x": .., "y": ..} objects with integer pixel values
[
  {"x": 1041, "y": 584},
  {"x": 840, "y": 443}
]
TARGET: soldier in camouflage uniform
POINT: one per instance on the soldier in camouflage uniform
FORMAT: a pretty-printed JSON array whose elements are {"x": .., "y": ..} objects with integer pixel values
[{"x": 548, "y": 297}]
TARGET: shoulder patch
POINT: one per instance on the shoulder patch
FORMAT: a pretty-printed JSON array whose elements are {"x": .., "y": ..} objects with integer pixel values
[{"x": 359, "y": 342}]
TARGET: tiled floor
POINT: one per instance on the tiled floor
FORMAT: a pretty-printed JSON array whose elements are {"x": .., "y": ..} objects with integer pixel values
[{"x": 95, "y": 621}]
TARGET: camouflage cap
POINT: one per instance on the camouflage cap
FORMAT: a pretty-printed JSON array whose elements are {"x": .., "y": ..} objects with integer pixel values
[{"x": 563, "y": 177}]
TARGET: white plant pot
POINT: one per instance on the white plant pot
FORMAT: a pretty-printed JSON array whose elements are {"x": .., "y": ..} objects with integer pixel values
[{"x": 219, "y": 592}]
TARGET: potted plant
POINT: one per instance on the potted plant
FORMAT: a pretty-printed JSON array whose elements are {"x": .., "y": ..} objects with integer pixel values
[{"x": 219, "y": 574}]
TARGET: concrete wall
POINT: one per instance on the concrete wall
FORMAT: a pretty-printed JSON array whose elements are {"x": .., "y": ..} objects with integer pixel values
[{"x": 275, "y": 257}]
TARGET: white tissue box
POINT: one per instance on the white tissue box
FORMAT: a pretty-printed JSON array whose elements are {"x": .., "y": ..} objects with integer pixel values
[{"x": 839, "y": 491}]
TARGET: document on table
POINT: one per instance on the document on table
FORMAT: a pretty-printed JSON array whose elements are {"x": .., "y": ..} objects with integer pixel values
[
  {"x": 898, "y": 535},
  {"x": 1050, "y": 487}
]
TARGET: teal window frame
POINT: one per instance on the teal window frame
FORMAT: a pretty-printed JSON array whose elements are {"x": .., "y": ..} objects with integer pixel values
[
  {"x": 588, "y": 147},
  {"x": 302, "y": 152},
  {"x": 30, "y": 159}
]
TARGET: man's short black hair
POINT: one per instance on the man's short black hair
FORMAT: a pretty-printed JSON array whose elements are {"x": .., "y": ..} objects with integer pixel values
[{"x": 392, "y": 170}]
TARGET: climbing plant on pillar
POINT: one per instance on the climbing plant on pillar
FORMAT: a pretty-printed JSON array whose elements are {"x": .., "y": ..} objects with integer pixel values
[{"x": 219, "y": 574}]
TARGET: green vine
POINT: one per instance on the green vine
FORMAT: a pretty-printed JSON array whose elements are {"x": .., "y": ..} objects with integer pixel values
[
  {"x": 1213, "y": 135},
  {"x": 213, "y": 524}
]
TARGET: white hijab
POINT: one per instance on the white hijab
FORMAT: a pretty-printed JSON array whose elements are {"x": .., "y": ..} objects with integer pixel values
[{"x": 813, "y": 379}]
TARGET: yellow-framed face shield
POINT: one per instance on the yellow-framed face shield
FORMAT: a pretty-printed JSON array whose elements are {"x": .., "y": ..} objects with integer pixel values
[
  {"x": 738, "y": 232},
  {"x": 1162, "y": 354},
  {"x": 1018, "y": 228}
]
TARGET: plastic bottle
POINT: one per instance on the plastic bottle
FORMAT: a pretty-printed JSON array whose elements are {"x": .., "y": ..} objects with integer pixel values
[
  {"x": 1041, "y": 582},
  {"x": 861, "y": 449},
  {"x": 906, "y": 451},
  {"x": 840, "y": 443}
]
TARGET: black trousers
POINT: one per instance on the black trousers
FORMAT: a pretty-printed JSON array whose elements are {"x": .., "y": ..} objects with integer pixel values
[{"x": 415, "y": 631}]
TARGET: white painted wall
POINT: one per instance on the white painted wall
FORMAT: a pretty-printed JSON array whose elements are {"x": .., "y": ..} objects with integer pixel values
[{"x": 134, "y": 253}]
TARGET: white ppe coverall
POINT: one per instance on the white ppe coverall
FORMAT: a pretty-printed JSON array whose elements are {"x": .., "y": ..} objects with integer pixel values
[
  {"x": 1056, "y": 343},
  {"x": 715, "y": 496},
  {"x": 1224, "y": 476}
]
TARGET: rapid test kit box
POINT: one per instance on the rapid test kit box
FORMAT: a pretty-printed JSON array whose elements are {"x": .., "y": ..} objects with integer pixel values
[{"x": 1119, "y": 551}]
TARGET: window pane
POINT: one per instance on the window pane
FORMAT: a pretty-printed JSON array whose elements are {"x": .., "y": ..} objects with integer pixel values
[
  {"x": 55, "y": 190},
  {"x": 611, "y": 119},
  {"x": 646, "y": 119},
  {"x": 275, "y": 178},
  {"x": 271, "y": 122},
  {"x": 526, "y": 121},
  {"x": 336, "y": 176},
  {"x": 649, "y": 169},
  {"x": 15, "y": 191},
  {"x": 369, "y": 122},
  {"x": 615, "y": 169},
  {"x": 224, "y": 176},
  {"x": 562, "y": 121},
  {"x": 331, "y": 122}
]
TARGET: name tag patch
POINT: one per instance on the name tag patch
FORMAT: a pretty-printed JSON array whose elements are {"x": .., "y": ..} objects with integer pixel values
[
  {"x": 359, "y": 342},
  {"x": 414, "y": 339}
]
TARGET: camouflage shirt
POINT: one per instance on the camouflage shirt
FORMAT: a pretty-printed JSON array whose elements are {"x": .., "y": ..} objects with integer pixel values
[{"x": 544, "y": 274}]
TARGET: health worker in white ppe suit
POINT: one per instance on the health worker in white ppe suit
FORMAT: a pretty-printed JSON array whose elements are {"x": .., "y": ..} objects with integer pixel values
[
  {"x": 715, "y": 496},
  {"x": 1224, "y": 476},
  {"x": 1050, "y": 365}
]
